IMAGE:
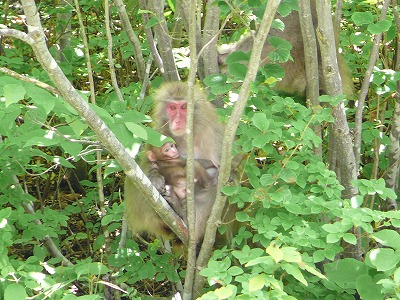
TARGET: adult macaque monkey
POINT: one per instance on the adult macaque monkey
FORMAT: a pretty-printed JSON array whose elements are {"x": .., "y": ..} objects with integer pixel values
[
  {"x": 294, "y": 82},
  {"x": 169, "y": 117}
]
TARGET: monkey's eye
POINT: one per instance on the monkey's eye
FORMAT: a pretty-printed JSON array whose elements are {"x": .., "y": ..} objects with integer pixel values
[
  {"x": 183, "y": 107},
  {"x": 172, "y": 107}
]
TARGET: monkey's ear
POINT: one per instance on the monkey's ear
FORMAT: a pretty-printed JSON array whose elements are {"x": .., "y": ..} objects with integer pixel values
[{"x": 151, "y": 156}]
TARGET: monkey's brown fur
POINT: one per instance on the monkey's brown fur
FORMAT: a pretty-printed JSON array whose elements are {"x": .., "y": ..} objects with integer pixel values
[
  {"x": 208, "y": 136},
  {"x": 294, "y": 82}
]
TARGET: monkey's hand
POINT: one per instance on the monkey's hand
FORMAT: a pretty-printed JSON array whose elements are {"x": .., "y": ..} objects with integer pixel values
[{"x": 157, "y": 180}]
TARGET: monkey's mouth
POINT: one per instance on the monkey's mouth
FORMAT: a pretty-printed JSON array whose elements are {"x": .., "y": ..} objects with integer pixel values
[{"x": 179, "y": 131}]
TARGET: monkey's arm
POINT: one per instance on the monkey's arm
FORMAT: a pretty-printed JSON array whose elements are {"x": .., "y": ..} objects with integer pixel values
[{"x": 157, "y": 180}]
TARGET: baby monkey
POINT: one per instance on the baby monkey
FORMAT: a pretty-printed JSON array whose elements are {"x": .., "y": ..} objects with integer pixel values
[{"x": 172, "y": 167}]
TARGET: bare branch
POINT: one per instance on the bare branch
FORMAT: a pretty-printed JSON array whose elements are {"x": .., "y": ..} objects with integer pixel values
[
  {"x": 30, "y": 80},
  {"x": 365, "y": 86},
  {"x": 311, "y": 63},
  {"x": 340, "y": 132},
  {"x": 137, "y": 48},
  {"x": 16, "y": 34},
  {"x": 110, "y": 52},
  {"x": 229, "y": 137}
]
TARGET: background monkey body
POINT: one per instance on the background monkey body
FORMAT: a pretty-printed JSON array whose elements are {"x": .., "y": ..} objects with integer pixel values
[{"x": 294, "y": 81}]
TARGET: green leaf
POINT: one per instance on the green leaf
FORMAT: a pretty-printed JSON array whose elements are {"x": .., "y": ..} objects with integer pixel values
[
  {"x": 260, "y": 121},
  {"x": 215, "y": 80},
  {"x": 295, "y": 272},
  {"x": 107, "y": 219},
  {"x": 350, "y": 238},
  {"x": 379, "y": 27},
  {"x": 345, "y": 271},
  {"x": 275, "y": 252},
  {"x": 387, "y": 237},
  {"x": 43, "y": 138},
  {"x": 261, "y": 140},
  {"x": 230, "y": 190},
  {"x": 137, "y": 130},
  {"x": 153, "y": 21},
  {"x": 279, "y": 43},
  {"x": 290, "y": 254},
  {"x": 234, "y": 271},
  {"x": 102, "y": 113},
  {"x": 237, "y": 57},
  {"x": 238, "y": 70},
  {"x": 367, "y": 288},
  {"x": 257, "y": 283},
  {"x": 14, "y": 291},
  {"x": 226, "y": 292},
  {"x": 272, "y": 72},
  {"x": 132, "y": 116},
  {"x": 360, "y": 18},
  {"x": 72, "y": 148},
  {"x": 384, "y": 259},
  {"x": 13, "y": 93}
]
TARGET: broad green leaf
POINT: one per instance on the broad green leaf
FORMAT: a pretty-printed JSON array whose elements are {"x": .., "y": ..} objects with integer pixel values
[
  {"x": 257, "y": 283},
  {"x": 43, "y": 138},
  {"x": 275, "y": 252},
  {"x": 13, "y": 93},
  {"x": 294, "y": 208},
  {"x": 384, "y": 259},
  {"x": 345, "y": 271},
  {"x": 71, "y": 148},
  {"x": 237, "y": 57},
  {"x": 272, "y": 71},
  {"x": 290, "y": 254},
  {"x": 238, "y": 70},
  {"x": 132, "y": 116},
  {"x": 279, "y": 43},
  {"x": 368, "y": 289},
  {"x": 261, "y": 140},
  {"x": 318, "y": 256},
  {"x": 137, "y": 130},
  {"x": 314, "y": 271},
  {"x": 361, "y": 18},
  {"x": 226, "y": 291},
  {"x": 153, "y": 21},
  {"x": 8, "y": 120},
  {"x": 234, "y": 271},
  {"x": 215, "y": 80},
  {"x": 230, "y": 190},
  {"x": 350, "y": 238},
  {"x": 379, "y": 27},
  {"x": 107, "y": 219},
  {"x": 14, "y": 291},
  {"x": 295, "y": 272},
  {"x": 387, "y": 237},
  {"x": 260, "y": 121}
]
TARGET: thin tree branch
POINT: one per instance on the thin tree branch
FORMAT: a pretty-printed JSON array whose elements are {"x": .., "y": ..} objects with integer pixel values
[
  {"x": 17, "y": 34},
  {"x": 110, "y": 52},
  {"x": 365, "y": 86},
  {"x": 137, "y": 48},
  {"x": 340, "y": 132},
  {"x": 30, "y": 80},
  {"x": 311, "y": 64},
  {"x": 229, "y": 137}
]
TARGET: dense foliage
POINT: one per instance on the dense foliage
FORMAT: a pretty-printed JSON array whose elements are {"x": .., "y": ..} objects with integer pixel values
[{"x": 57, "y": 182}]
